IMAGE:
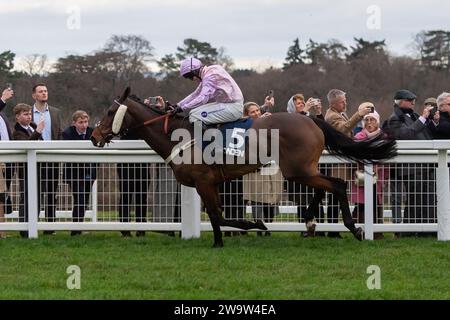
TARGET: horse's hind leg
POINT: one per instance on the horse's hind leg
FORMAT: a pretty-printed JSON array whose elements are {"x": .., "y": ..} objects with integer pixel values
[
  {"x": 339, "y": 188},
  {"x": 211, "y": 199}
]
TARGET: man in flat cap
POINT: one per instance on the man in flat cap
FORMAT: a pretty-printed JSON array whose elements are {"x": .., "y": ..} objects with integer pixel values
[{"x": 417, "y": 178}]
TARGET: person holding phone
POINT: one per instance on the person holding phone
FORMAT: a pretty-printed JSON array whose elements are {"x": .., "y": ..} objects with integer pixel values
[
  {"x": 415, "y": 182},
  {"x": 297, "y": 193},
  {"x": 298, "y": 104},
  {"x": 5, "y": 135},
  {"x": 441, "y": 119},
  {"x": 7, "y": 94}
]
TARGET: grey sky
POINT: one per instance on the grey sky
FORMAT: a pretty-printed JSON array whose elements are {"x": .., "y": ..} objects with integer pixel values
[{"x": 255, "y": 33}]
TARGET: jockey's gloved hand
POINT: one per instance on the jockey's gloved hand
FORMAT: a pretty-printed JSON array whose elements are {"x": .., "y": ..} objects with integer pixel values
[{"x": 177, "y": 109}]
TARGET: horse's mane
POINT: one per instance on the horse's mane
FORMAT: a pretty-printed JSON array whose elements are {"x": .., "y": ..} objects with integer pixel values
[{"x": 184, "y": 123}]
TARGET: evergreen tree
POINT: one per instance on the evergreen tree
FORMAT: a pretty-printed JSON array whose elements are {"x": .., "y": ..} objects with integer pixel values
[
  {"x": 435, "y": 49},
  {"x": 294, "y": 55}
]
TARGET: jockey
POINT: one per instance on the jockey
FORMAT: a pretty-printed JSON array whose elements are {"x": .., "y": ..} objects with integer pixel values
[{"x": 217, "y": 98}]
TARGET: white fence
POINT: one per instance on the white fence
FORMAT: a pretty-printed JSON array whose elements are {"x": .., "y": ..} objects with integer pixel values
[{"x": 32, "y": 153}]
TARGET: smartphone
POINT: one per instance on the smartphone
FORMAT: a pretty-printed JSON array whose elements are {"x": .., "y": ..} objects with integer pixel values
[
  {"x": 9, "y": 86},
  {"x": 153, "y": 100},
  {"x": 271, "y": 93},
  {"x": 316, "y": 102},
  {"x": 433, "y": 112},
  {"x": 372, "y": 109}
]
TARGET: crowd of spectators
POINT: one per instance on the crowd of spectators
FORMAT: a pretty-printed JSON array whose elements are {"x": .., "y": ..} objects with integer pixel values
[{"x": 410, "y": 184}]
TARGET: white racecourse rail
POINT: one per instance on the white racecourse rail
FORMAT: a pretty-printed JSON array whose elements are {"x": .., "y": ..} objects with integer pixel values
[{"x": 434, "y": 152}]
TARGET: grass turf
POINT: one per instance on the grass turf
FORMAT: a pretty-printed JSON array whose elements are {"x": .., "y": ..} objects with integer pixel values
[{"x": 283, "y": 266}]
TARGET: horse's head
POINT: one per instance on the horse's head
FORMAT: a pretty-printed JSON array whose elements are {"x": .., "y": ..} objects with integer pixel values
[{"x": 113, "y": 124}]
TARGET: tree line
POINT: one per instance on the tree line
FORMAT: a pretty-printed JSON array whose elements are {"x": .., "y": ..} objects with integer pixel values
[{"x": 366, "y": 70}]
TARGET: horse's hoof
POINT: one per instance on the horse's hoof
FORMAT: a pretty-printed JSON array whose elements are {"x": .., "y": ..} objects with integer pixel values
[
  {"x": 218, "y": 245},
  {"x": 310, "y": 230},
  {"x": 260, "y": 225},
  {"x": 359, "y": 234}
]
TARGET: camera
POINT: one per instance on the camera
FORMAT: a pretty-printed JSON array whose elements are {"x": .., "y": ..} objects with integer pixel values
[
  {"x": 271, "y": 93},
  {"x": 433, "y": 112},
  {"x": 153, "y": 100},
  {"x": 316, "y": 102}
]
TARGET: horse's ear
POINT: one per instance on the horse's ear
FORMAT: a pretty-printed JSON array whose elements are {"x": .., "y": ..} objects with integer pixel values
[{"x": 125, "y": 94}]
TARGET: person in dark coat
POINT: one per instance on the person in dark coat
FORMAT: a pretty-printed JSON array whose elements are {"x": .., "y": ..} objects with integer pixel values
[
  {"x": 5, "y": 134},
  {"x": 134, "y": 179},
  {"x": 442, "y": 129},
  {"x": 79, "y": 176},
  {"x": 416, "y": 178},
  {"x": 25, "y": 129}
]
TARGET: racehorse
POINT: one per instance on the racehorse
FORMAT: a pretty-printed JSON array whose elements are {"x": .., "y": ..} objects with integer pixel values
[{"x": 301, "y": 143}]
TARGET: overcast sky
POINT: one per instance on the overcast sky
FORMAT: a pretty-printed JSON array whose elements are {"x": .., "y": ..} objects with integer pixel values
[{"x": 255, "y": 33}]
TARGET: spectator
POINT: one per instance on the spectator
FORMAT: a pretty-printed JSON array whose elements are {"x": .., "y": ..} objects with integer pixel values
[
  {"x": 442, "y": 129},
  {"x": 231, "y": 198},
  {"x": 79, "y": 176},
  {"x": 337, "y": 118},
  {"x": 217, "y": 98},
  {"x": 300, "y": 194},
  {"x": 297, "y": 104},
  {"x": 371, "y": 129},
  {"x": 166, "y": 196},
  {"x": 5, "y": 134},
  {"x": 24, "y": 129},
  {"x": 134, "y": 180},
  {"x": 263, "y": 188},
  {"x": 418, "y": 178},
  {"x": 48, "y": 172}
]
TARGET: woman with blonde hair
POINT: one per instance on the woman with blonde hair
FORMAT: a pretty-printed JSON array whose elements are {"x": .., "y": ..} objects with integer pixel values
[{"x": 263, "y": 189}]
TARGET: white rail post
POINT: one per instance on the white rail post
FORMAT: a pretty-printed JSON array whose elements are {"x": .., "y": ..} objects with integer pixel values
[
  {"x": 94, "y": 198},
  {"x": 443, "y": 196},
  {"x": 190, "y": 213},
  {"x": 368, "y": 202},
  {"x": 32, "y": 190}
]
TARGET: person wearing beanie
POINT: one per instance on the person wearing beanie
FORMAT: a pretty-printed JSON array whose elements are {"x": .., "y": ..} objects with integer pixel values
[{"x": 371, "y": 130}]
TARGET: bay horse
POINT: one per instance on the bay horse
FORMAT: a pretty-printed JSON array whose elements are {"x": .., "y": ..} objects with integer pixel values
[{"x": 301, "y": 143}]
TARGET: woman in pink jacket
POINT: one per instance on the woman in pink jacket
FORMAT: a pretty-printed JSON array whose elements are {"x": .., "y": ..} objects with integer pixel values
[{"x": 371, "y": 130}]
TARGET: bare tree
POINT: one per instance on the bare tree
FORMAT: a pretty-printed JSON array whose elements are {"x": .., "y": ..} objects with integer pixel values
[
  {"x": 35, "y": 64},
  {"x": 132, "y": 55}
]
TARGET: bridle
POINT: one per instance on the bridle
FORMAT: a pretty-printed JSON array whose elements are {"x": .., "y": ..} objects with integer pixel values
[{"x": 109, "y": 137}]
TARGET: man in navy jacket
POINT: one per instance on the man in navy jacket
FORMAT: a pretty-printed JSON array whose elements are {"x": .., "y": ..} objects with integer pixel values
[{"x": 79, "y": 176}]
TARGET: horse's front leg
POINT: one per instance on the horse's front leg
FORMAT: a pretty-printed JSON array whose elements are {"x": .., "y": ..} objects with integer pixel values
[{"x": 210, "y": 197}]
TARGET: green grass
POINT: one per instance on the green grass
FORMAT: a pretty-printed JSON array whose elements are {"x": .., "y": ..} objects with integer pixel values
[{"x": 283, "y": 266}]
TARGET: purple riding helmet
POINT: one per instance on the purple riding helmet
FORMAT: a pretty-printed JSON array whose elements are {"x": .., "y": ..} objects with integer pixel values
[{"x": 188, "y": 65}]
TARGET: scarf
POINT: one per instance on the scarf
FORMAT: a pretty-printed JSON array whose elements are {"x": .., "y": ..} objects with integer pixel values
[
  {"x": 291, "y": 105},
  {"x": 371, "y": 135}
]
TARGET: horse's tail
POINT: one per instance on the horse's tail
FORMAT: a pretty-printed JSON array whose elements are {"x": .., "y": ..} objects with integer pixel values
[{"x": 367, "y": 151}]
